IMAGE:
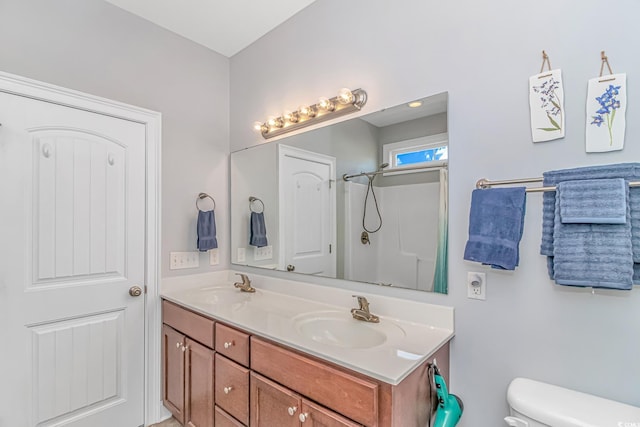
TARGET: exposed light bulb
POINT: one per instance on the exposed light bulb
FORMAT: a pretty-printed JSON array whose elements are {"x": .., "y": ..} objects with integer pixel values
[
  {"x": 291, "y": 117},
  {"x": 275, "y": 122},
  {"x": 260, "y": 127},
  {"x": 307, "y": 111},
  {"x": 326, "y": 104},
  {"x": 345, "y": 96}
]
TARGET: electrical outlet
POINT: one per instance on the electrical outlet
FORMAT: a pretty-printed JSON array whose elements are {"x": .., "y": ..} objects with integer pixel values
[
  {"x": 181, "y": 260},
  {"x": 477, "y": 285},
  {"x": 241, "y": 255},
  {"x": 265, "y": 252},
  {"x": 214, "y": 257}
]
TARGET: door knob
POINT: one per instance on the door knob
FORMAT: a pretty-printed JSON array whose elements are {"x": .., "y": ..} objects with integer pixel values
[
  {"x": 135, "y": 291},
  {"x": 291, "y": 267}
]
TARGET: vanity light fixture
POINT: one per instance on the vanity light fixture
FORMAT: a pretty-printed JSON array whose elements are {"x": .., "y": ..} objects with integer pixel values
[{"x": 347, "y": 101}]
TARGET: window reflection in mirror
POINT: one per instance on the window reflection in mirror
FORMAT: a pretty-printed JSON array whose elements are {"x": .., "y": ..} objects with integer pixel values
[{"x": 387, "y": 225}]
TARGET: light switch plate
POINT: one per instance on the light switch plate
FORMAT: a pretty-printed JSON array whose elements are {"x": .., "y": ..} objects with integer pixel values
[
  {"x": 180, "y": 260},
  {"x": 265, "y": 252},
  {"x": 241, "y": 255}
]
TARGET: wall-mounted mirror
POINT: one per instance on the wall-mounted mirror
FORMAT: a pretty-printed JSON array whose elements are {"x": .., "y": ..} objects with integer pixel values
[{"x": 364, "y": 199}]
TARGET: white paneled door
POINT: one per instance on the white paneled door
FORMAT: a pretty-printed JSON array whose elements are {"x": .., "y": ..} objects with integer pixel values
[
  {"x": 72, "y": 245},
  {"x": 308, "y": 211}
]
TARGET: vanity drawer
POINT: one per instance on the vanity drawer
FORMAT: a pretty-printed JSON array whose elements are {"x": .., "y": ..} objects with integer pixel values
[
  {"x": 222, "y": 419},
  {"x": 347, "y": 394},
  {"x": 232, "y": 343},
  {"x": 189, "y": 323},
  {"x": 232, "y": 388}
]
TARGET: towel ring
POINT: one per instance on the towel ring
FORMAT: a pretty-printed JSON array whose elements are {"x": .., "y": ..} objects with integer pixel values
[
  {"x": 204, "y": 196},
  {"x": 255, "y": 199}
]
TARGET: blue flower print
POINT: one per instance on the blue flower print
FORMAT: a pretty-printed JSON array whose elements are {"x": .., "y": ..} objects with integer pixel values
[
  {"x": 550, "y": 102},
  {"x": 607, "y": 111}
]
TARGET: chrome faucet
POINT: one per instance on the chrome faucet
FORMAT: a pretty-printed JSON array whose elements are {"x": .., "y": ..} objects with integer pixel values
[
  {"x": 245, "y": 286},
  {"x": 363, "y": 313}
]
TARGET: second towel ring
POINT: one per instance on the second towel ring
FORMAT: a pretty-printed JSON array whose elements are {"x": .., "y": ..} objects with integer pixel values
[
  {"x": 255, "y": 199},
  {"x": 204, "y": 196}
]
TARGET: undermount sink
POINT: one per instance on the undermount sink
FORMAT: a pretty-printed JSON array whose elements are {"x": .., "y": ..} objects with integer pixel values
[
  {"x": 216, "y": 295},
  {"x": 339, "y": 329}
]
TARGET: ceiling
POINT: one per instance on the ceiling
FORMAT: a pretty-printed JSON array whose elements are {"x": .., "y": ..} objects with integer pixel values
[{"x": 225, "y": 26}]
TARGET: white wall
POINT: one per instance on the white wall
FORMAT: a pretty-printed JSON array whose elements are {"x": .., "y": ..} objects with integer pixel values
[
  {"x": 95, "y": 47},
  {"x": 483, "y": 54}
]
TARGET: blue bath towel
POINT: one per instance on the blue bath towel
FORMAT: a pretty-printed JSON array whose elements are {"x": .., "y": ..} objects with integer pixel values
[
  {"x": 496, "y": 222},
  {"x": 593, "y": 255},
  {"x": 627, "y": 171},
  {"x": 258, "y": 230},
  {"x": 206, "y": 228},
  {"x": 593, "y": 201}
]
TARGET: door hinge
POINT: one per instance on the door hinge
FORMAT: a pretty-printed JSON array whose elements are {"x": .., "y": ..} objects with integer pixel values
[
  {"x": 145, "y": 289},
  {"x": 329, "y": 247}
]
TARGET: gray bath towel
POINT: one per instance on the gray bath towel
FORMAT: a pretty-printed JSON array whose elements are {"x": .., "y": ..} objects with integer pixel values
[
  {"x": 627, "y": 171},
  {"x": 593, "y": 255}
]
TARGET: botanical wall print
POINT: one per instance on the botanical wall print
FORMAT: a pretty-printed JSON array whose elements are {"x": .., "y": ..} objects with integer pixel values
[
  {"x": 606, "y": 108},
  {"x": 546, "y": 103}
]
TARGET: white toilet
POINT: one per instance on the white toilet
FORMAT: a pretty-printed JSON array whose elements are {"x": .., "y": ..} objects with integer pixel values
[{"x": 536, "y": 404}]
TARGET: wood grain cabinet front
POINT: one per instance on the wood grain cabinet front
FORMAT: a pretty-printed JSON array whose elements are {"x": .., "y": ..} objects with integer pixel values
[
  {"x": 173, "y": 372},
  {"x": 187, "y": 366},
  {"x": 275, "y": 405},
  {"x": 232, "y": 388},
  {"x": 225, "y": 420},
  {"x": 232, "y": 343}
]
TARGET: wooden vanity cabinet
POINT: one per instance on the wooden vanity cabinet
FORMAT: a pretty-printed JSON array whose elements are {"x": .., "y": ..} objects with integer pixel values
[
  {"x": 188, "y": 366},
  {"x": 251, "y": 381}
]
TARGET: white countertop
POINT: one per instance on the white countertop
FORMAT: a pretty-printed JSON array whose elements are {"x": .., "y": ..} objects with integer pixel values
[{"x": 413, "y": 331}]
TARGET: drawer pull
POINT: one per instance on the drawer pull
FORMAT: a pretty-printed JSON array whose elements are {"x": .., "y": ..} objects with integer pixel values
[
  {"x": 227, "y": 390},
  {"x": 229, "y": 344},
  {"x": 303, "y": 417},
  {"x": 292, "y": 410}
]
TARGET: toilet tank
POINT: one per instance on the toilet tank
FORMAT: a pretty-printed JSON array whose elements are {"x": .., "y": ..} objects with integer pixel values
[{"x": 559, "y": 407}]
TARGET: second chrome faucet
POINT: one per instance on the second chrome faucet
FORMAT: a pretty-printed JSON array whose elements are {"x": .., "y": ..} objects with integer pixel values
[{"x": 363, "y": 313}]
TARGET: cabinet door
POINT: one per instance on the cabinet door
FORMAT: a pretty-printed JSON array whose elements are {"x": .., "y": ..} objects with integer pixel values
[
  {"x": 198, "y": 385},
  {"x": 173, "y": 372},
  {"x": 313, "y": 415},
  {"x": 273, "y": 405}
]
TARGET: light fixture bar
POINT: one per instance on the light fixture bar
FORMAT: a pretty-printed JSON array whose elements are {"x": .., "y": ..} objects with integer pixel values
[{"x": 323, "y": 110}]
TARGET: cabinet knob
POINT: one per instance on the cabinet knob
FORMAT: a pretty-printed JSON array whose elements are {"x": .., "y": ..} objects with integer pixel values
[
  {"x": 227, "y": 390},
  {"x": 178, "y": 344},
  {"x": 303, "y": 417},
  {"x": 185, "y": 348},
  {"x": 292, "y": 410},
  {"x": 229, "y": 344}
]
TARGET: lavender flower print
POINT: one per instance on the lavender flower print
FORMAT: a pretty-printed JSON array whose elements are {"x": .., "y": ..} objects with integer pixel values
[
  {"x": 608, "y": 107},
  {"x": 550, "y": 103}
]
